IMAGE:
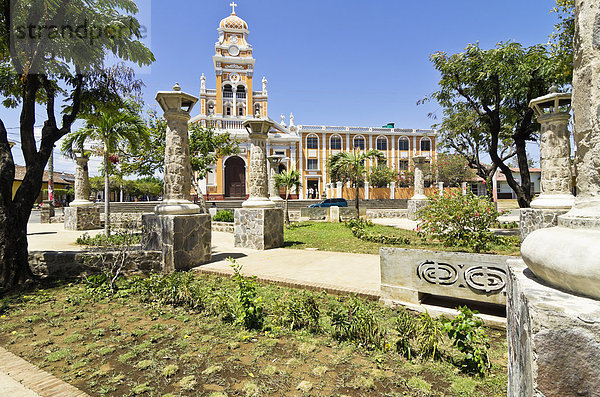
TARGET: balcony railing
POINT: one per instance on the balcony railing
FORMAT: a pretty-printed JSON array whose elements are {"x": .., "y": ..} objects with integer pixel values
[{"x": 227, "y": 94}]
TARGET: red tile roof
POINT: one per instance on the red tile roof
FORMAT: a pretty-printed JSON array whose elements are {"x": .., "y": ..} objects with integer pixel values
[{"x": 20, "y": 175}]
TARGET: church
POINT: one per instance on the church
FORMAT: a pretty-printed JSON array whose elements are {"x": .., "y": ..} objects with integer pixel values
[{"x": 306, "y": 147}]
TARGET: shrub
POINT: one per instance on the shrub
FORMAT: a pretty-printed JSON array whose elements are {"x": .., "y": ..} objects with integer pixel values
[
  {"x": 251, "y": 313},
  {"x": 428, "y": 335},
  {"x": 468, "y": 336},
  {"x": 459, "y": 220},
  {"x": 358, "y": 227},
  {"x": 223, "y": 216},
  {"x": 356, "y": 322},
  {"x": 113, "y": 240}
]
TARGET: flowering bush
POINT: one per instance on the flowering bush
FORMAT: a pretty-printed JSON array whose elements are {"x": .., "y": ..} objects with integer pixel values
[{"x": 459, "y": 221}]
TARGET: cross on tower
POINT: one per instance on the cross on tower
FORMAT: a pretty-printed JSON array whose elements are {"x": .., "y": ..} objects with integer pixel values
[{"x": 233, "y": 5}]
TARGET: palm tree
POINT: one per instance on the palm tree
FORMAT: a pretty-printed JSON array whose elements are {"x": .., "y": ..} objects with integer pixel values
[
  {"x": 351, "y": 166},
  {"x": 113, "y": 129},
  {"x": 290, "y": 179}
]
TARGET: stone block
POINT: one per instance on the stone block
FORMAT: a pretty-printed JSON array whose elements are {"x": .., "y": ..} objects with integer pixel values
[
  {"x": 406, "y": 274},
  {"x": 533, "y": 219},
  {"x": 553, "y": 338},
  {"x": 413, "y": 208},
  {"x": 82, "y": 218},
  {"x": 334, "y": 214},
  {"x": 46, "y": 212},
  {"x": 258, "y": 228},
  {"x": 185, "y": 240}
]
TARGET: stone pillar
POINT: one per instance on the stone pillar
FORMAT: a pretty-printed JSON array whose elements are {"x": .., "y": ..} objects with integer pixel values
[
  {"x": 419, "y": 200},
  {"x": 46, "y": 212},
  {"x": 177, "y": 228},
  {"x": 81, "y": 213},
  {"x": 366, "y": 190},
  {"x": 441, "y": 189},
  {"x": 553, "y": 113},
  {"x": 274, "y": 162},
  {"x": 464, "y": 188},
  {"x": 334, "y": 214},
  {"x": 339, "y": 186},
  {"x": 393, "y": 190},
  {"x": 259, "y": 224},
  {"x": 554, "y": 306}
]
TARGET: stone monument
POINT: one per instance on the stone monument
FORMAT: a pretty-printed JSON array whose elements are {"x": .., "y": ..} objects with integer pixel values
[
  {"x": 81, "y": 213},
  {"x": 274, "y": 162},
  {"x": 419, "y": 200},
  {"x": 259, "y": 224},
  {"x": 553, "y": 322},
  {"x": 177, "y": 228},
  {"x": 553, "y": 112}
]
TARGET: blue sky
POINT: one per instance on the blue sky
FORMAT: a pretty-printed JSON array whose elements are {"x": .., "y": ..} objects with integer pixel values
[{"x": 333, "y": 62}]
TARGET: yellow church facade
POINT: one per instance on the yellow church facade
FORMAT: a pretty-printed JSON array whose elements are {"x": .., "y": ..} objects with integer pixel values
[{"x": 306, "y": 147}]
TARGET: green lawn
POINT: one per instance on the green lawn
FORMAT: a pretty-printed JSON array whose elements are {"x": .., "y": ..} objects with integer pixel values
[
  {"x": 125, "y": 345},
  {"x": 337, "y": 237}
]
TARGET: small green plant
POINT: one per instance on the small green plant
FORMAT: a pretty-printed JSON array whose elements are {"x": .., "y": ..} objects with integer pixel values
[
  {"x": 302, "y": 312},
  {"x": 113, "y": 240},
  {"x": 357, "y": 322},
  {"x": 428, "y": 336},
  {"x": 406, "y": 325},
  {"x": 223, "y": 216},
  {"x": 176, "y": 289},
  {"x": 459, "y": 220},
  {"x": 252, "y": 312},
  {"x": 468, "y": 336}
]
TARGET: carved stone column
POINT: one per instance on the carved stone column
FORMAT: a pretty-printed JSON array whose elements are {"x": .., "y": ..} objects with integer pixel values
[
  {"x": 259, "y": 224},
  {"x": 553, "y": 304},
  {"x": 81, "y": 213},
  {"x": 177, "y": 228},
  {"x": 418, "y": 200},
  {"x": 274, "y": 162},
  {"x": 82, "y": 184}
]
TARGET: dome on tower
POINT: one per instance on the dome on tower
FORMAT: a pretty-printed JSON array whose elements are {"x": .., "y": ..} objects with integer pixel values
[{"x": 233, "y": 22}]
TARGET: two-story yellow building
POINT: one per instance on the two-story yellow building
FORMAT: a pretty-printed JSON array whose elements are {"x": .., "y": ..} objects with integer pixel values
[{"x": 305, "y": 147}]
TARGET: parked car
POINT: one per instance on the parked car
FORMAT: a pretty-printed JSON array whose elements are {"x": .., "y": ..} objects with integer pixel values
[{"x": 334, "y": 202}]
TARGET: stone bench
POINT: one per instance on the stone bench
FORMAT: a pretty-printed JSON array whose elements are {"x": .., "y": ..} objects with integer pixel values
[{"x": 408, "y": 274}]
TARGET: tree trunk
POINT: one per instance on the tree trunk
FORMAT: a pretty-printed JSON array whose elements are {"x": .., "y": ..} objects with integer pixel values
[
  {"x": 106, "y": 196},
  {"x": 357, "y": 200},
  {"x": 287, "y": 214},
  {"x": 15, "y": 270}
]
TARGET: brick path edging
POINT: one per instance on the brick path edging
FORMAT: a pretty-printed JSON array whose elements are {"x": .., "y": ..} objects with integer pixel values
[
  {"x": 36, "y": 379},
  {"x": 287, "y": 282}
]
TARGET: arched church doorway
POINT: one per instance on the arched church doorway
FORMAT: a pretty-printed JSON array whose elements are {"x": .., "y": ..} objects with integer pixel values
[{"x": 235, "y": 178}]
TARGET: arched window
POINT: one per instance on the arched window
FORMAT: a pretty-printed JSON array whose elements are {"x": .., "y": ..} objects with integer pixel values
[
  {"x": 210, "y": 108},
  {"x": 403, "y": 144},
  {"x": 228, "y": 110},
  {"x": 381, "y": 143},
  {"x": 425, "y": 144},
  {"x": 241, "y": 92},
  {"x": 359, "y": 142},
  {"x": 312, "y": 142},
  {"x": 241, "y": 111},
  {"x": 227, "y": 91},
  {"x": 336, "y": 142},
  {"x": 257, "y": 109}
]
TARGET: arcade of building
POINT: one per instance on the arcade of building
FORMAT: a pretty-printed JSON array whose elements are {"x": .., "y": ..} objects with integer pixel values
[{"x": 306, "y": 147}]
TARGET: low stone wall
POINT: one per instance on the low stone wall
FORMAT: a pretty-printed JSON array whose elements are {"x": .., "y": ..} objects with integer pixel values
[
  {"x": 374, "y": 214},
  {"x": 124, "y": 220},
  {"x": 226, "y": 227},
  {"x": 534, "y": 219},
  {"x": 322, "y": 214},
  {"x": 407, "y": 274},
  {"x": 73, "y": 263}
]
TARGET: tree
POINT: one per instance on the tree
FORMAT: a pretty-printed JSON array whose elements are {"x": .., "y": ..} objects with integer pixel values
[
  {"x": 462, "y": 132},
  {"x": 381, "y": 176},
  {"x": 452, "y": 169},
  {"x": 351, "y": 165},
  {"x": 562, "y": 37},
  {"x": 40, "y": 67},
  {"x": 496, "y": 86},
  {"x": 206, "y": 147},
  {"x": 288, "y": 179},
  {"x": 114, "y": 130}
]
